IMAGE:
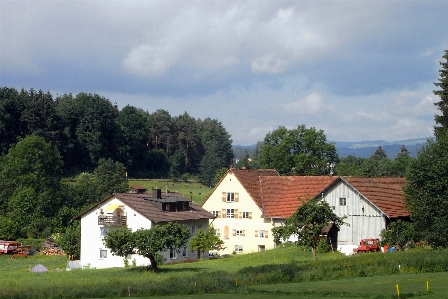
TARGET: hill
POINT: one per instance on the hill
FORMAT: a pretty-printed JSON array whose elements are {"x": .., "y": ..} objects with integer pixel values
[{"x": 361, "y": 149}]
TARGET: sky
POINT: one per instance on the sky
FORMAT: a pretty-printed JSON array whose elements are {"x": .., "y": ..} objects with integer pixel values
[{"x": 358, "y": 70}]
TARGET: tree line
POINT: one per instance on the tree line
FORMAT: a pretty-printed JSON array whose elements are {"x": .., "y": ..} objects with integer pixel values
[{"x": 87, "y": 127}]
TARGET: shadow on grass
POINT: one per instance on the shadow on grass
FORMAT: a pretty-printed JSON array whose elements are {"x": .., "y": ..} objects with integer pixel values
[{"x": 162, "y": 269}]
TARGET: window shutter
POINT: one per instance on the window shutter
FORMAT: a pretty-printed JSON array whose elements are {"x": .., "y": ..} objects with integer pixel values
[
  {"x": 266, "y": 234},
  {"x": 240, "y": 215},
  {"x": 219, "y": 214},
  {"x": 235, "y": 211},
  {"x": 224, "y": 198},
  {"x": 234, "y": 232},
  {"x": 244, "y": 233},
  {"x": 223, "y": 213},
  {"x": 237, "y": 197},
  {"x": 250, "y": 215},
  {"x": 256, "y": 234}
]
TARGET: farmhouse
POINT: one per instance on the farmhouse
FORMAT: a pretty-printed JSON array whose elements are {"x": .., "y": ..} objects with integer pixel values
[
  {"x": 369, "y": 205},
  {"x": 136, "y": 210},
  {"x": 248, "y": 203}
]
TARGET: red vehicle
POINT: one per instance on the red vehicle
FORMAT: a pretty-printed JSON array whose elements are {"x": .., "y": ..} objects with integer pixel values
[
  {"x": 8, "y": 246},
  {"x": 368, "y": 245}
]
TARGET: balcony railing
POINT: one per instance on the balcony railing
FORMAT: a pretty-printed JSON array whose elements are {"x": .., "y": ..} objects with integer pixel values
[{"x": 112, "y": 220}]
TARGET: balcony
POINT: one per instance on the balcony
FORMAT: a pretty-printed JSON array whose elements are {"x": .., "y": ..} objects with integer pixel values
[{"x": 112, "y": 220}]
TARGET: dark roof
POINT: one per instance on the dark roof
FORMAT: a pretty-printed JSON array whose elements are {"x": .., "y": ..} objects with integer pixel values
[
  {"x": 282, "y": 195},
  {"x": 385, "y": 193},
  {"x": 141, "y": 202}
]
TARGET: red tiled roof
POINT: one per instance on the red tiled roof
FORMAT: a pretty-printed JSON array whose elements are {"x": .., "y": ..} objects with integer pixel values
[
  {"x": 249, "y": 179},
  {"x": 385, "y": 193},
  {"x": 281, "y": 196}
]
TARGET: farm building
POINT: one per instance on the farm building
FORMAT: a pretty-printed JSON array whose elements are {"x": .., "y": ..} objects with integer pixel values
[
  {"x": 136, "y": 210},
  {"x": 248, "y": 203},
  {"x": 369, "y": 205}
]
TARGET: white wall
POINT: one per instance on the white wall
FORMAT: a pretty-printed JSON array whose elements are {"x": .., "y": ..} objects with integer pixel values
[
  {"x": 362, "y": 224},
  {"x": 226, "y": 226}
]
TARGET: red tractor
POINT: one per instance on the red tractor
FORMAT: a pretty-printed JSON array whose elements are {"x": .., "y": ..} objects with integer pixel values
[{"x": 368, "y": 245}]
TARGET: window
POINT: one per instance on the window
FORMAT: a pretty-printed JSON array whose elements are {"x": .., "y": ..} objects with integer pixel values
[
  {"x": 103, "y": 253},
  {"x": 184, "y": 252},
  {"x": 215, "y": 213},
  {"x": 193, "y": 229},
  {"x": 218, "y": 232},
  {"x": 246, "y": 215},
  {"x": 239, "y": 233},
  {"x": 173, "y": 254},
  {"x": 342, "y": 201},
  {"x": 238, "y": 248},
  {"x": 230, "y": 213},
  {"x": 261, "y": 233},
  {"x": 103, "y": 231},
  {"x": 230, "y": 197}
]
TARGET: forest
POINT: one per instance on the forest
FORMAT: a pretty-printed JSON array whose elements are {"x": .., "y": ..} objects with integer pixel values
[{"x": 87, "y": 127}]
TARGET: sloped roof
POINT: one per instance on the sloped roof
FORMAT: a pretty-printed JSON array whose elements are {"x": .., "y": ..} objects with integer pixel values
[
  {"x": 140, "y": 203},
  {"x": 282, "y": 195},
  {"x": 249, "y": 179},
  {"x": 385, "y": 193}
]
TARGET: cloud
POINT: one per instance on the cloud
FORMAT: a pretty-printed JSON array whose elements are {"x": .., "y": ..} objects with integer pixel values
[
  {"x": 310, "y": 105},
  {"x": 150, "y": 60}
]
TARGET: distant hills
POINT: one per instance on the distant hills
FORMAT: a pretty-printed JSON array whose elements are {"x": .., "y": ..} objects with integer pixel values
[{"x": 361, "y": 149}]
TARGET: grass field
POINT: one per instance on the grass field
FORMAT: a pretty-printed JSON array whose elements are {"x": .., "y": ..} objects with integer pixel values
[
  {"x": 192, "y": 190},
  {"x": 284, "y": 272}
]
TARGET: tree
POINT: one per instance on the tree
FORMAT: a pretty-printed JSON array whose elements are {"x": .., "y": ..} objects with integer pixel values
[
  {"x": 308, "y": 223},
  {"x": 217, "y": 149},
  {"x": 398, "y": 233},
  {"x": 299, "y": 151},
  {"x": 426, "y": 191},
  {"x": 134, "y": 128},
  {"x": 442, "y": 105},
  {"x": 147, "y": 242},
  {"x": 70, "y": 241},
  {"x": 120, "y": 241},
  {"x": 206, "y": 240},
  {"x": 401, "y": 162},
  {"x": 110, "y": 177},
  {"x": 30, "y": 181}
]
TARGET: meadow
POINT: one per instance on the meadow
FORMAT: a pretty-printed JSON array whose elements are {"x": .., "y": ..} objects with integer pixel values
[
  {"x": 285, "y": 272},
  {"x": 190, "y": 189}
]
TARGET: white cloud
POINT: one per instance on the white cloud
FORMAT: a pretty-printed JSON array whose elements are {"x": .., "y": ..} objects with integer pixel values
[
  {"x": 150, "y": 60},
  {"x": 310, "y": 105}
]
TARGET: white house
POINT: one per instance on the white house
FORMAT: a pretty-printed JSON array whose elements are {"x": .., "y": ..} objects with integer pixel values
[
  {"x": 369, "y": 205},
  {"x": 248, "y": 203},
  {"x": 136, "y": 210}
]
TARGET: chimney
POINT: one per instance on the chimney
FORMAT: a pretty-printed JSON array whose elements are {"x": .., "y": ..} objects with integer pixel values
[{"x": 157, "y": 193}]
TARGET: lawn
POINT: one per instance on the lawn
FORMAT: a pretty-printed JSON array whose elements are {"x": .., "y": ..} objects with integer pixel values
[
  {"x": 285, "y": 272},
  {"x": 190, "y": 189}
]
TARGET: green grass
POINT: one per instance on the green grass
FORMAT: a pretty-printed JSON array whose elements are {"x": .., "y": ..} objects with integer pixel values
[
  {"x": 192, "y": 190},
  {"x": 285, "y": 272}
]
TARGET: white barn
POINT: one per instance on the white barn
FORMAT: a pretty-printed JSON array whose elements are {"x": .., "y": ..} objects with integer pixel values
[{"x": 369, "y": 205}]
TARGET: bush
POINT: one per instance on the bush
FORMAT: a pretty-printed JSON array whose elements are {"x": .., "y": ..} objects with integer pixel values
[{"x": 323, "y": 246}]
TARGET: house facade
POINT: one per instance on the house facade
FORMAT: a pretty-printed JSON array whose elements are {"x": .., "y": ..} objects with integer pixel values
[
  {"x": 248, "y": 203},
  {"x": 368, "y": 205},
  {"x": 136, "y": 210}
]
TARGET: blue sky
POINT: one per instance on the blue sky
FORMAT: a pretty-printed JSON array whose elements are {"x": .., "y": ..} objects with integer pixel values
[{"x": 358, "y": 70}]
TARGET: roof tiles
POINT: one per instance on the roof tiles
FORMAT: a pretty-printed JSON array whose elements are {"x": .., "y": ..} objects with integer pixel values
[{"x": 385, "y": 193}]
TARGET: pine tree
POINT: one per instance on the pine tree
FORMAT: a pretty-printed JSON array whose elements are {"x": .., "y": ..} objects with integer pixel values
[{"x": 442, "y": 105}]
